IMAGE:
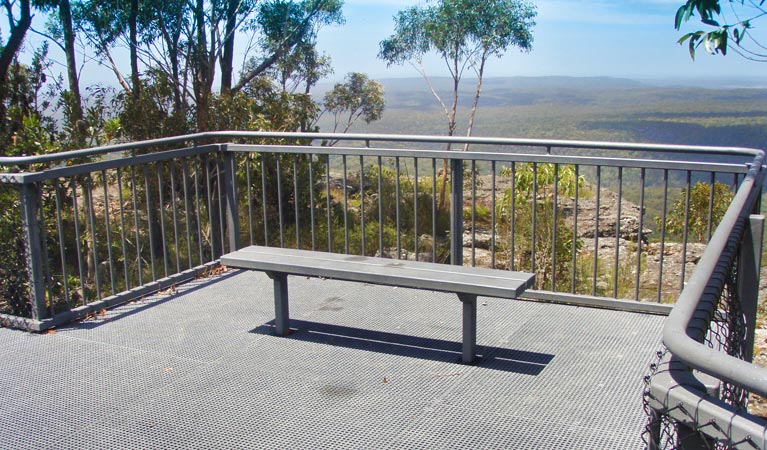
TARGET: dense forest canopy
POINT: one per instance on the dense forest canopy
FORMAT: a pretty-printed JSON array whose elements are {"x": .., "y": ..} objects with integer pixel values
[{"x": 173, "y": 63}]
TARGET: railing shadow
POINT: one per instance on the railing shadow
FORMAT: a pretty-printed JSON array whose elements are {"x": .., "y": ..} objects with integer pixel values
[
  {"x": 495, "y": 358},
  {"x": 132, "y": 307}
]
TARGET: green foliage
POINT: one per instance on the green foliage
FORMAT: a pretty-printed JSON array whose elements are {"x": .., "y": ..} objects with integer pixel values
[
  {"x": 358, "y": 97},
  {"x": 463, "y": 33},
  {"x": 698, "y": 213},
  {"x": 717, "y": 40},
  {"x": 533, "y": 195},
  {"x": 14, "y": 289}
]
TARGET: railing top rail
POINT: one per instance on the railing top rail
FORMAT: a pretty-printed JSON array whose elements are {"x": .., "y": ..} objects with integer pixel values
[
  {"x": 678, "y": 332},
  {"x": 221, "y": 135}
]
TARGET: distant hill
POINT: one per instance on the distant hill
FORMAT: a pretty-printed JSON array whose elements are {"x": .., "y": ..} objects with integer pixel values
[{"x": 592, "y": 108}]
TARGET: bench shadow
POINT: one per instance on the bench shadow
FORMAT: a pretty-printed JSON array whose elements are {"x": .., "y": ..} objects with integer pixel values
[{"x": 495, "y": 358}]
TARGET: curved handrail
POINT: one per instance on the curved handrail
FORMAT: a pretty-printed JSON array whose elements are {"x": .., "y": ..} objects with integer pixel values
[
  {"x": 543, "y": 143},
  {"x": 677, "y": 329}
]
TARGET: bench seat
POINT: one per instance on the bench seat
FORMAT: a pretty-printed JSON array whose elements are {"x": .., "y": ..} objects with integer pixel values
[{"x": 466, "y": 282}]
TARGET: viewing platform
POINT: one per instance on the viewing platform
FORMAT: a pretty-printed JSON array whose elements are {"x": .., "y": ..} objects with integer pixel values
[
  {"x": 629, "y": 322},
  {"x": 365, "y": 367}
]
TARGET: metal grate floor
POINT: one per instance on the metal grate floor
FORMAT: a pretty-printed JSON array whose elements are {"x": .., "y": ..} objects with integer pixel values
[{"x": 366, "y": 367}]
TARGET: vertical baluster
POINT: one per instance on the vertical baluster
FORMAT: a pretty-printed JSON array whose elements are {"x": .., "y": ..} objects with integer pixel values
[
  {"x": 362, "y": 203},
  {"x": 295, "y": 200},
  {"x": 618, "y": 232},
  {"x": 685, "y": 228},
  {"x": 221, "y": 202},
  {"x": 415, "y": 207},
  {"x": 535, "y": 208},
  {"x": 492, "y": 217},
  {"x": 134, "y": 199},
  {"x": 88, "y": 195},
  {"x": 346, "y": 208},
  {"x": 263, "y": 199},
  {"x": 197, "y": 202},
  {"x": 174, "y": 210},
  {"x": 249, "y": 193},
  {"x": 80, "y": 262},
  {"x": 595, "y": 267},
  {"x": 62, "y": 240},
  {"x": 108, "y": 232},
  {"x": 434, "y": 210},
  {"x": 473, "y": 213},
  {"x": 311, "y": 200},
  {"x": 710, "y": 225},
  {"x": 47, "y": 276},
  {"x": 161, "y": 212},
  {"x": 380, "y": 208},
  {"x": 187, "y": 216},
  {"x": 279, "y": 201},
  {"x": 511, "y": 213},
  {"x": 574, "y": 263},
  {"x": 329, "y": 204},
  {"x": 209, "y": 200},
  {"x": 663, "y": 233},
  {"x": 555, "y": 212},
  {"x": 640, "y": 233},
  {"x": 397, "y": 199},
  {"x": 120, "y": 202}
]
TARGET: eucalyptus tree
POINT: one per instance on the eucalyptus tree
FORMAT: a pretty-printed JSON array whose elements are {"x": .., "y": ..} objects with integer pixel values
[
  {"x": 61, "y": 29},
  {"x": 287, "y": 27},
  {"x": 358, "y": 97},
  {"x": 107, "y": 23},
  {"x": 733, "y": 24},
  {"x": 18, "y": 27},
  {"x": 464, "y": 34}
]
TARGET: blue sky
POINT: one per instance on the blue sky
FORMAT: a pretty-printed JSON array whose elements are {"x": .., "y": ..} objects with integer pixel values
[{"x": 621, "y": 38}]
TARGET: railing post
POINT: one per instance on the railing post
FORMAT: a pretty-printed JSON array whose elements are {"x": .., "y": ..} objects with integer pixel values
[
  {"x": 456, "y": 212},
  {"x": 749, "y": 264},
  {"x": 32, "y": 249},
  {"x": 230, "y": 189}
]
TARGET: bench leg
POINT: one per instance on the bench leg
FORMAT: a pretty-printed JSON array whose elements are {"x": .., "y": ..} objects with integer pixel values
[
  {"x": 469, "y": 327},
  {"x": 281, "y": 313}
]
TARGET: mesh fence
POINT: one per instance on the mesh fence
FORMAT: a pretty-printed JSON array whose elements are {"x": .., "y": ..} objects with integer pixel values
[{"x": 726, "y": 332}]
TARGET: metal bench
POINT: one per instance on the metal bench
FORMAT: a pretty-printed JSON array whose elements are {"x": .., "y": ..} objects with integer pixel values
[{"x": 466, "y": 282}]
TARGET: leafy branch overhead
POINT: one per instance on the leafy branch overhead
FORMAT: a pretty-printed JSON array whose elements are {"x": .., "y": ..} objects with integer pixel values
[{"x": 729, "y": 28}]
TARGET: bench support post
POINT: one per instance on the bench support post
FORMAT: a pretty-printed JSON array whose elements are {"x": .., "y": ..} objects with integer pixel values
[
  {"x": 469, "y": 327},
  {"x": 281, "y": 313}
]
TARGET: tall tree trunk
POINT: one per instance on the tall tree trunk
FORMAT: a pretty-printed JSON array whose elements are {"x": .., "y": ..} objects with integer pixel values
[
  {"x": 202, "y": 70},
  {"x": 451, "y": 125},
  {"x": 65, "y": 16},
  {"x": 477, "y": 94},
  {"x": 133, "y": 25},
  {"x": 227, "y": 57},
  {"x": 8, "y": 53},
  {"x": 18, "y": 31}
]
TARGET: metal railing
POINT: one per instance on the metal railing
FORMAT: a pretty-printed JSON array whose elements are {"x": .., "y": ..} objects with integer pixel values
[
  {"x": 698, "y": 392},
  {"x": 614, "y": 225}
]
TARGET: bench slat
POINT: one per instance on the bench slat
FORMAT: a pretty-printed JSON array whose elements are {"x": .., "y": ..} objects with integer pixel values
[{"x": 412, "y": 274}]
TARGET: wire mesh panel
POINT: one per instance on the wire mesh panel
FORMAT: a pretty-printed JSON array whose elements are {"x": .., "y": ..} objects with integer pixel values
[{"x": 673, "y": 425}]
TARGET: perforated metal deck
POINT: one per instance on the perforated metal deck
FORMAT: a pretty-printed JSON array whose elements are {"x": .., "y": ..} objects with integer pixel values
[{"x": 367, "y": 367}]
